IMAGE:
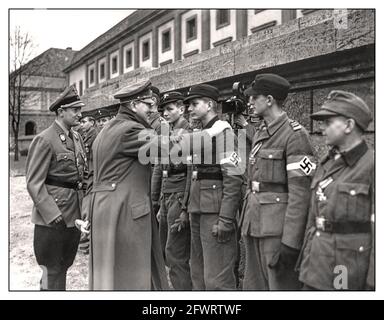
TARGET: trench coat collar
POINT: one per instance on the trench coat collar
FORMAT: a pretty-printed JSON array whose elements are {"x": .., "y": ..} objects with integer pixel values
[{"x": 127, "y": 114}]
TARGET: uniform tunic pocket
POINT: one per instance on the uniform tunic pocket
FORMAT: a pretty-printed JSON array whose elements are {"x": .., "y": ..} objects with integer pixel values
[
  {"x": 271, "y": 166},
  {"x": 140, "y": 209},
  {"x": 353, "y": 252},
  {"x": 272, "y": 213},
  {"x": 353, "y": 202},
  {"x": 211, "y": 193}
]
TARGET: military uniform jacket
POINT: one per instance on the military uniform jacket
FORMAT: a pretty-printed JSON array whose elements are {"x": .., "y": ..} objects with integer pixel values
[
  {"x": 346, "y": 195},
  {"x": 52, "y": 154},
  {"x": 280, "y": 167},
  {"x": 169, "y": 178},
  {"x": 220, "y": 196}
]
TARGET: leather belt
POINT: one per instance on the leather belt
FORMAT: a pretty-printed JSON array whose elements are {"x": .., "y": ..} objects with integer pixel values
[
  {"x": 63, "y": 184},
  {"x": 256, "y": 186},
  {"x": 344, "y": 227},
  {"x": 196, "y": 175}
]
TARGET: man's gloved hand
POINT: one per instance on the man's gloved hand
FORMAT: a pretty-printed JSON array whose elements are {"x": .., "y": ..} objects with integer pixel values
[
  {"x": 223, "y": 230},
  {"x": 240, "y": 120},
  {"x": 217, "y": 128},
  {"x": 181, "y": 222},
  {"x": 285, "y": 258},
  {"x": 59, "y": 223}
]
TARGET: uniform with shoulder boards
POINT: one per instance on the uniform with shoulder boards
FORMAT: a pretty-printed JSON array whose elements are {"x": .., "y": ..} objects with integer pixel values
[{"x": 55, "y": 166}]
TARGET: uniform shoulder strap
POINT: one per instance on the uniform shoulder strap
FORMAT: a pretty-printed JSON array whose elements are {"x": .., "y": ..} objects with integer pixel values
[{"x": 295, "y": 125}]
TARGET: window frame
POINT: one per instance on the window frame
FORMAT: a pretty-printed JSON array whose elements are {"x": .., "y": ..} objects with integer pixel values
[
  {"x": 187, "y": 20},
  {"x": 145, "y": 42},
  {"x": 224, "y": 24},
  {"x": 163, "y": 49}
]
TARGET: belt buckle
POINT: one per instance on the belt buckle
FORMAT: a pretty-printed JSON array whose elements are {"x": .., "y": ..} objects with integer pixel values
[
  {"x": 194, "y": 175},
  {"x": 165, "y": 173},
  {"x": 255, "y": 186},
  {"x": 79, "y": 185},
  {"x": 320, "y": 223}
]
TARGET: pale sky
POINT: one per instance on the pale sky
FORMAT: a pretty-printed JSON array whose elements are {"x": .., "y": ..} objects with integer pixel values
[{"x": 65, "y": 28}]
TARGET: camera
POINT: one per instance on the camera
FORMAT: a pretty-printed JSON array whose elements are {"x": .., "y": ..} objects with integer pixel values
[{"x": 237, "y": 103}]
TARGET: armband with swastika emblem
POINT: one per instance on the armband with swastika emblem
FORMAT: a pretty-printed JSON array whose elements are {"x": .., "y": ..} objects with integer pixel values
[{"x": 300, "y": 165}]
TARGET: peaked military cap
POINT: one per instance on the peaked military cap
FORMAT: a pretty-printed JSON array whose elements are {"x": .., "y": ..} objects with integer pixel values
[
  {"x": 202, "y": 90},
  {"x": 170, "y": 97},
  {"x": 101, "y": 113},
  {"x": 138, "y": 90},
  {"x": 346, "y": 104},
  {"x": 89, "y": 114},
  {"x": 68, "y": 98},
  {"x": 269, "y": 84}
]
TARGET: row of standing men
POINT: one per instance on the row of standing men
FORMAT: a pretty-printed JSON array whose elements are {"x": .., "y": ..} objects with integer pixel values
[{"x": 301, "y": 223}]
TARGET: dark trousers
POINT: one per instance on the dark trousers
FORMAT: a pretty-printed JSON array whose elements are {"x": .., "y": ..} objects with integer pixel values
[
  {"x": 55, "y": 251},
  {"x": 258, "y": 275},
  {"x": 177, "y": 245},
  {"x": 212, "y": 263}
]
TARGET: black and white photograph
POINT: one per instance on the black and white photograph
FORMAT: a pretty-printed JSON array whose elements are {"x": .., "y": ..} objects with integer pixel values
[{"x": 204, "y": 149}]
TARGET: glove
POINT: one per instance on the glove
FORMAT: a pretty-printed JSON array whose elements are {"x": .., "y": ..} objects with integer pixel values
[
  {"x": 83, "y": 226},
  {"x": 59, "y": 223},
  {"x": 217, "y": 128},
  {"x": 285, "y": 258},
  {"x": 181, "y": 222},
  {"x": 223, "y": 230}
]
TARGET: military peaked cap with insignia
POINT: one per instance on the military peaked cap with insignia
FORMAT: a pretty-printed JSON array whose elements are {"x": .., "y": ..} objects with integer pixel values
[
  {"x": 202, "y": 91},
  {"x": 101, "y": 113},
  {"x": 170, "y": 97},
  {"x": 69, "y": 98},
  {"x": 269, "y": 84},
  {"x": 139, "y": 90},
  {"x": 90, "y": 114}
]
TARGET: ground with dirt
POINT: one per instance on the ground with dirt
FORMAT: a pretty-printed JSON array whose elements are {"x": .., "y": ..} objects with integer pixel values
[{"x": 24, "y": 271}]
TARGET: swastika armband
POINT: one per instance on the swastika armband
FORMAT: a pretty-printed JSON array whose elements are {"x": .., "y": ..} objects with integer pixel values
[
  {"x": 300, "y": 165},
  {"x": 233, "y": 160}
]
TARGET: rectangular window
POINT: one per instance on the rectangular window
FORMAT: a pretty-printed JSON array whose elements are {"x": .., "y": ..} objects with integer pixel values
[
  {"x": 128, "y": 58},
  {"x": 102, "y": 70},
  {"x": 191, "y": 28},
  {"x": 91, "y": 75},
  {"x": 146, "y": 50},
  {"x": 114, "y": 65},
  {"x": 166, "y": 40},
  {"x": 81, "y": 87},
  {"x": 222, "y": 18}
]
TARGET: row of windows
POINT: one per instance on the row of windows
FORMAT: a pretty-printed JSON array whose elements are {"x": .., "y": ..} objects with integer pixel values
[{"x": 267, "y": 18}]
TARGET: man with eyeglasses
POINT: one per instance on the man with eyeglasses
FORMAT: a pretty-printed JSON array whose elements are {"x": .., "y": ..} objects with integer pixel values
[
  {"x": 280, "y": 167},
  {"x": 55, "y": 166},
  {"x": 125, "y": 249}
]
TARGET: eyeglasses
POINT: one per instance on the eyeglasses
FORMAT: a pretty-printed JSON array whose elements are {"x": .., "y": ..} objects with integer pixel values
[{"x": 148, "y": 103}]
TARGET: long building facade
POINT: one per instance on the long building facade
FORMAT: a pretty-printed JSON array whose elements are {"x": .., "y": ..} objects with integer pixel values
[{"x": 316, "y": 50}]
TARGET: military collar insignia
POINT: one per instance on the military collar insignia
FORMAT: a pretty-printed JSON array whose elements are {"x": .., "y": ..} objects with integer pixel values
[{"x": 62, "y": 137}]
